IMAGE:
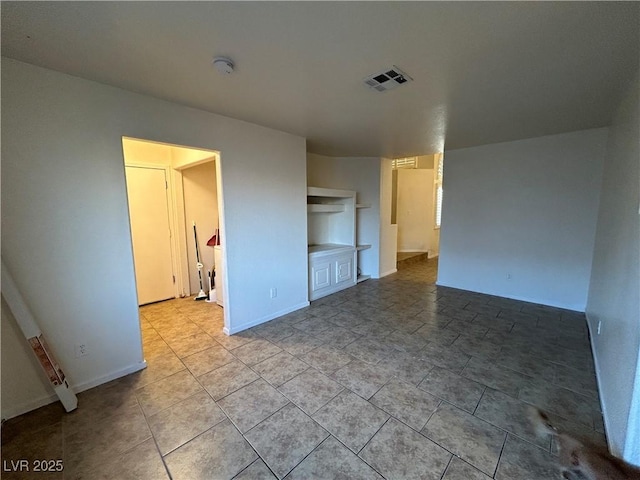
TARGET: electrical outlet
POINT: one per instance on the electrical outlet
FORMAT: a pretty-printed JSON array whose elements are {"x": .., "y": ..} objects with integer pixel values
[
  {"x": 81, "y": 350},
  {"x": 273, "y": 292}
]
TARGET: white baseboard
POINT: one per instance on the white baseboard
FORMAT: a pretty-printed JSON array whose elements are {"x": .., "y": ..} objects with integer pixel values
[
  {"x": 81, "y": 387},
  {"x": 631, "y": 452},
  {"x": 266, "y": 318},
  {"x": 388, "y": 272},
  {"x": 28, "y": 406},
  {"x": 603, "y": 404},
  {"x": 631, "y": 447},
  {"x": 572, "y": 307}
]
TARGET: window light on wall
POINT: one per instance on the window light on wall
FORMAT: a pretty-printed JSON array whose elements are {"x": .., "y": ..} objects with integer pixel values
[
  {"x": 437, "y": 188},
  {"x": 407, "y": 162}
]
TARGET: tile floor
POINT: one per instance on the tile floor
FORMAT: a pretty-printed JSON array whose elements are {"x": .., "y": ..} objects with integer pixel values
[
  {"x": 404, "y": 255},
  {"x": 405, "y": 259},
  {"x": 395, "y": 378}
]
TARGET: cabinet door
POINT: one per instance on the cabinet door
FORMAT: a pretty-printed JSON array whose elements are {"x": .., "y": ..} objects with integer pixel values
[
  {"x": 320, "y": 275},
  {"x": 344, "y": 270}
]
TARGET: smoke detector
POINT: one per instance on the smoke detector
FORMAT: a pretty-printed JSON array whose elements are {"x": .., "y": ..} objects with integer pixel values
[
  {"x": 223, "y": 65},
  {"x": 387, "y": 79}
]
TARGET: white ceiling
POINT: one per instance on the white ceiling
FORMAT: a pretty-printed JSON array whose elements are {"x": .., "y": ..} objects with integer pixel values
[{"x": 483, "y": 72}]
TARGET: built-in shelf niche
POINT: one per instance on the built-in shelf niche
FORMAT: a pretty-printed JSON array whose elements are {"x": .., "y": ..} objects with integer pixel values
[{"x": 331, "y": 216}]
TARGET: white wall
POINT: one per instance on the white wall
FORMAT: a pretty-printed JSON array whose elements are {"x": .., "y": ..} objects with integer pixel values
[
  {"x": 615, "y": 287},
  {"x": 22, "y": 388},
  {"x": 201, "y": 206},
  {"x": 65, "y": 226},
  {"x": 527, "y": 208},
  {"x": 363, "y": 176},
  {"x": 415, "y": 210},
  {"x": 388, "y": 231}
]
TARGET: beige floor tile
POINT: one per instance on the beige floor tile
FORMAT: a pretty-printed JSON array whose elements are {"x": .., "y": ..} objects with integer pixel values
[
  {"x": 172, "y": 332},
  {"x": 333, "y": 460},
  {"x": 227, "y": 379},
  {"x": 256, "y": 351},
  {"x": 110, "y": 399},
  {"x": 185, "y": 346},
  {"x": 141, "y": 462},
  {"x": 158, "y": 367},
  {"x": 170, "y": 390},
  {"x": 473, "y": 440},
  {"x": 566, "y": 403},
  {"x": 510, "y": 414},
  {"x": 397, "y": 451},
  {"x": 258, "y": 470},
  {"x": 406, "y": 403},
  {"x": 326, "y": 359},
  {"x": 184, "y": 420},
  {"x": 525, "y": 461},
  {"x": 219, "y": 453},
  {"x": 208, "y": 360},
  {"x": 280, "y": 368},
  {"x": 90, "y": 446},
  {"x": 454, "y": 388},
  {"x": 460, "y": 470},
  {"x": 45, "y": 443},
  {"x": 351, "y": 419},
  {"x": 252, "y": 404},
  {"x": 495, "y": 376},
  {"x": 363, "y": 378},
  {"x": 310, "y": 390},
  {"x": 285, "y": 438},
  {"x": 299, "y": 343},
  {"x": 234, "y": 341}
]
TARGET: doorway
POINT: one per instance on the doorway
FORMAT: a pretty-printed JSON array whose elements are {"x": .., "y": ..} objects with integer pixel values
[
  {"x": 191, "y": 195},
  {"x": 417, "y": 201},
  {"x": 170, "y": 188}
]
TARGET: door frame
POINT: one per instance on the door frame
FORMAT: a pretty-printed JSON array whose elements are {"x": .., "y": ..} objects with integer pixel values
[
  {"x": 177, "y": 216},
  {"x": 180, "y": 219}
]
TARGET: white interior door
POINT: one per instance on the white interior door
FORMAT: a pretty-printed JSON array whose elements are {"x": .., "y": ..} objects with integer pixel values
[{"x": 151, "y": 233}]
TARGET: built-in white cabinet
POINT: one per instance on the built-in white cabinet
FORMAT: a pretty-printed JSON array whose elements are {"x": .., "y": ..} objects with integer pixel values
[
  {"x": 331, "y": 230},
  {"x": 331, "y": 270}
]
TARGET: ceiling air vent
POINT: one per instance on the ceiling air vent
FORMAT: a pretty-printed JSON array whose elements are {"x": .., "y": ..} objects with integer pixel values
[{"x": 387, "y": 79}]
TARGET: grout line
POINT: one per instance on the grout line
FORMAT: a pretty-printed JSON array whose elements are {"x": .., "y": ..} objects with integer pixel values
[
  {"x": 430, "y": 416},
  {"x": 308, "y": 454},
  {"x": 500, "y": 455},
  {"x": 447, "y": 467},
  {"x": 369, "y": 441},
  {"x": 252, "y": 463},
  {"x": 479, "y": 400}
]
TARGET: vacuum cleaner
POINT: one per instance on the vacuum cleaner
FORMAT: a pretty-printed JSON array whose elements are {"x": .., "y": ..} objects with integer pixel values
[{"x": 201, "y": 295}]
